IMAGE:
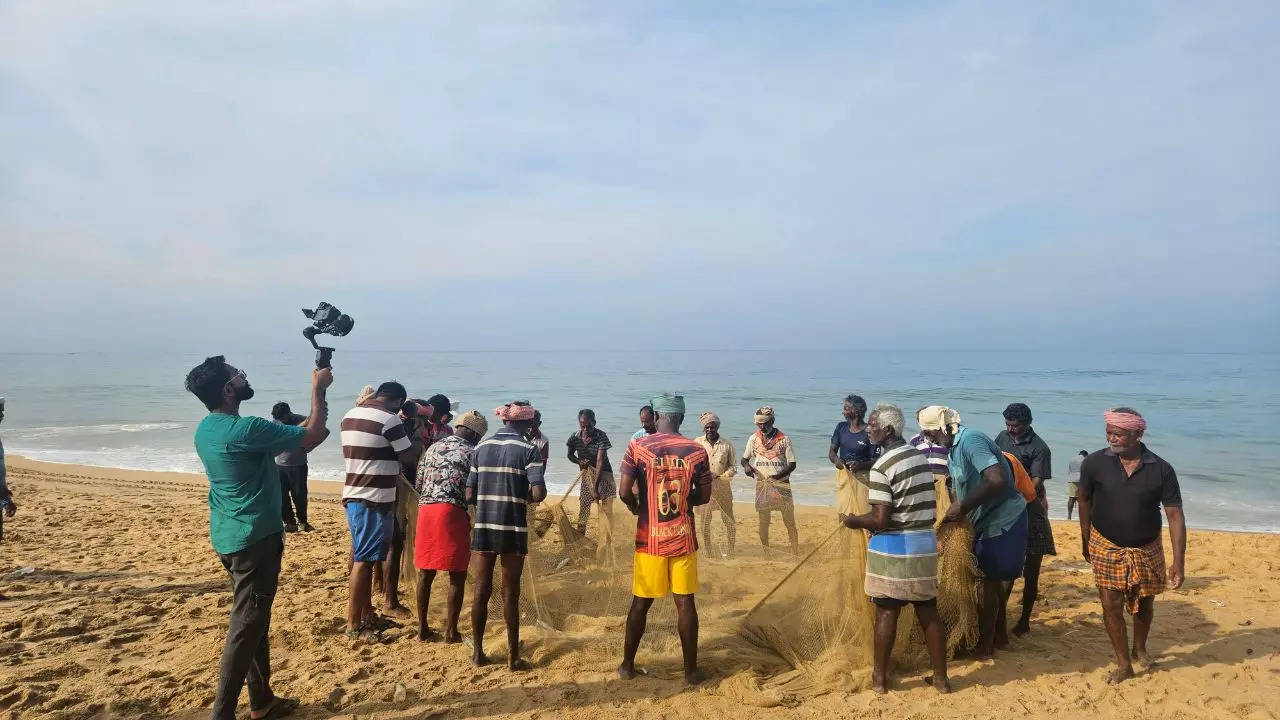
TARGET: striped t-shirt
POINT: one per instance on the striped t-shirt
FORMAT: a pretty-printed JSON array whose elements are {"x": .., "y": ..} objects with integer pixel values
[
  {"x": 502, "y": 469},
  {"x": 903, "y": 479},
  {"x": 935, "y": 454},
  {"x": 372, "y": 438}
]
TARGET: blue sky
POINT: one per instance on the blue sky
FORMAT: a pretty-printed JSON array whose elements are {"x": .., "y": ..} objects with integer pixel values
[{"x": 608, "y": 175}]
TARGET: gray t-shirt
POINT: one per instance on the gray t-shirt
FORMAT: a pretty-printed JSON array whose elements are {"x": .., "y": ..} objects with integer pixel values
[{"x": 292, "y": 458}]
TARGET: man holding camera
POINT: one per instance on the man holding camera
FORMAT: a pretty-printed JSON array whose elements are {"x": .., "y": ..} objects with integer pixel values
[{"x": 245, "y": 526}]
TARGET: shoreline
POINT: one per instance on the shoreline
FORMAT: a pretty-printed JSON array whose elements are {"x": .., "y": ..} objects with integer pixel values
[{"x": 333, "y": 488}]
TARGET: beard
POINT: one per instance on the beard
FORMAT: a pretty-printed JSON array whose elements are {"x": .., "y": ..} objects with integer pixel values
[{"x": 244, "y": 393}]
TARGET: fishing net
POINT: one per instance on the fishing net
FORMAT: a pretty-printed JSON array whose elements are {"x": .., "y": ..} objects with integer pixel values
[{"x": 819, "y": 619}]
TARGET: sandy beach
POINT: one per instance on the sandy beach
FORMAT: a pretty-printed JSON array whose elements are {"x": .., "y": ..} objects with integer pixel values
[{"x": 113, "y": 604}]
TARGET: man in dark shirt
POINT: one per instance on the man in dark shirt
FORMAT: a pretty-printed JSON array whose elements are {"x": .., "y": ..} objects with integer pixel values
[
  {"x": 292, "y": 466},
  {"x": 1121, "y": 491},
  {"x": 1021, "y": 441}
]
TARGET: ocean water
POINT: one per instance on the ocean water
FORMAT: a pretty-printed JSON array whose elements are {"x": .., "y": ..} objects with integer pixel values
[{"x": 1209, "y": 415}]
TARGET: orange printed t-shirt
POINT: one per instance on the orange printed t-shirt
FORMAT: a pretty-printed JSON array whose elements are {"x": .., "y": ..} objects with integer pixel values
[{"x": 668, "y": 469}]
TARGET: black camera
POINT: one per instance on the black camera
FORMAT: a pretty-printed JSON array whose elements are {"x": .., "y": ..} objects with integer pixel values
[{"x": 325, "y": 320}]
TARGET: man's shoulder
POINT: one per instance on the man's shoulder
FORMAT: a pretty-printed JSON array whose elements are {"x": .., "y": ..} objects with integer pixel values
[{"x": 365, "y": 412}]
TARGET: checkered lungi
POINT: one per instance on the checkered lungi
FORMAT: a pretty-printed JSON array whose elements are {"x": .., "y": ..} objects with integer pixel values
[{"x": 1136, "y": 572}]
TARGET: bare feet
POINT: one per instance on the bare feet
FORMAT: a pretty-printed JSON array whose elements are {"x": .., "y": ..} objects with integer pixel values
[
  {"x": 279, "y": 707},
  {"x": 519, "y": 665},
  {"x": 451, "y": 637},
  {"x": 627, "y": 672},
  {"x": 693, "y": 677},
  {"x": 398, "y": 610},
  {"x": 879, "y": 684},
  {"x": 1119, "y": 675},
  {"x": 479, "y": 659},
  {"x": 426, "y": 634},
  {"x": 1022, "y": 628},
  {"x": 1142, "y": 659},
  {"x": 942, "y": 685}
]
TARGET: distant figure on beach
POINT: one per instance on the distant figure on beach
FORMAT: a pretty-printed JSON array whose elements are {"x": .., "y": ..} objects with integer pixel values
[
  {"x": 902, "y": 556},
  {"x": 245, "y": 525},
  {"x": 1020, "y": 440},
  {"x": 435, "y": 417},
  {"x": 935, "y": 454},
  {"x": 723, "y": 460},
  {"x": 506, "y": 475},
  {"x": 1073, "y": 480},
  {"x": 442, "y": 542},
  {"x": 589, "y": 450},
  {"x": 770, "y": 459},
  {"x": 7, "y": 506},
  {"x": 375, "y": 448},
  {"x": 986, "y": 495},
  {"x": 292, "y": 466},
  {"x": 648, "y": 423},
  {"x": 851, "y": 448},
  {"x": 1121, "y": 490},
  {"x": 664, "y": 475},
  {"x": 538, "y": 439}
]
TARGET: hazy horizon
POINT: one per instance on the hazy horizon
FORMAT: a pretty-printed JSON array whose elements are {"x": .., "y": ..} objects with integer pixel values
[{"x": 578, "y": 176}]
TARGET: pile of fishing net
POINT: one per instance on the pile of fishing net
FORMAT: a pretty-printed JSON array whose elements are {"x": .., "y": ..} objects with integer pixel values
[{"x": 819, "y": 619}]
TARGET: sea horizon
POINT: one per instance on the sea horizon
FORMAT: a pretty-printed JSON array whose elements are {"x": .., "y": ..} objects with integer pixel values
[{"x": 127, "y": 409}]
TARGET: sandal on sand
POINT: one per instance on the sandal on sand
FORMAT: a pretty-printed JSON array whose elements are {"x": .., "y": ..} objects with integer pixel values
[{"x": 280, "y": 707}]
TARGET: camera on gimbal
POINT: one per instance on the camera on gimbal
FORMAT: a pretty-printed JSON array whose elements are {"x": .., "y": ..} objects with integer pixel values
[{"x": 325, "y": 320}]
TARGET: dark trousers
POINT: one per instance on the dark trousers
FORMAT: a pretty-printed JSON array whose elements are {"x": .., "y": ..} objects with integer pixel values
[
  {"x": 293, "y": 484},
  {"x": 254, "y": 573}
]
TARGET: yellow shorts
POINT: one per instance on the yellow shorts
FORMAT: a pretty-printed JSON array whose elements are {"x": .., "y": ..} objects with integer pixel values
[{"x": 654, "y": 576}]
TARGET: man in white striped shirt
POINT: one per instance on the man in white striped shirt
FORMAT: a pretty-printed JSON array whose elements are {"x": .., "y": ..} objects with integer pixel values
[{"x": 375, "y": 446}]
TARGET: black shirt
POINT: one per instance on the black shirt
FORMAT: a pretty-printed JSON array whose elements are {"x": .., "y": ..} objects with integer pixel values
[
  {"x": 587, "y": 450},
  {"x": 1031, "y": 451},
  {"x": 1126, "y": 509}
]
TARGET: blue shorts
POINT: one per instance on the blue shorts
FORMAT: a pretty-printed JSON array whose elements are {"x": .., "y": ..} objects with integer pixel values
[
  {"x": 370, "y": 531},
  {"x": 1000, "y": 557}
]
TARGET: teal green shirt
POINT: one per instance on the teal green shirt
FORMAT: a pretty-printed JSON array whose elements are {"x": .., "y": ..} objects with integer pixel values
[
  {"x": 244, "y": 487},
  {"x": 971, "y": 453}
]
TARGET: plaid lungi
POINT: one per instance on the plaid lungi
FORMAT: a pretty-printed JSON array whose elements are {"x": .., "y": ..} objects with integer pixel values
[{"x": 1136, "y": 572}]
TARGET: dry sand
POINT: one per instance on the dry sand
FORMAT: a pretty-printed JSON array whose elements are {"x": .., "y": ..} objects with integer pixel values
[{"x": 124, "y": 614}]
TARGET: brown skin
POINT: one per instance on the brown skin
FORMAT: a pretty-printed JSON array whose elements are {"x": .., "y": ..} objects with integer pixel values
[
  {"x": 360, "y": 602},
  {"x": 512, "y": 566},
  {"x": 712, "y": 432},
  {"x": 995, "y": 593},
  {"x": 1127, "y": 445},
  {"x": 648, "y": 421},
  {"x": 1031, "y": 570},
  {"x": 686, "y": 608},
  {"x": 457, "y": 583},
  {"x": 854, "y": 416},
  {"x": 886, "y": 627},
  {"x": 767, "y": 429},
  {"x": 13, "y": 506},
  {"x": 586, "y": 425},
  {"x": 316, "y": 434}
]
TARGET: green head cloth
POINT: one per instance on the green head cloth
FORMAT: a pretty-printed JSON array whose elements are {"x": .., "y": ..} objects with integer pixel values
[{"x": 668, "y": 404}]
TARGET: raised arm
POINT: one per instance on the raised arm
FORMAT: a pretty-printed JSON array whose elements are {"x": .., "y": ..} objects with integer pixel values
[{"x": 317, "y": 421}]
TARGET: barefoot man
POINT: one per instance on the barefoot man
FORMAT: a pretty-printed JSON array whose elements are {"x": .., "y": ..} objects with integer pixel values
[
  {"x": 724, "y": 464},
  {"x": 902, "y": 557},
  {"x": 985, "y": 493},
  {"x": 664, "y": 475},
  {"x": 1121, "y": 491},
  {"x": 506, "y": 475},
  {"x": 770, "y": 460}
]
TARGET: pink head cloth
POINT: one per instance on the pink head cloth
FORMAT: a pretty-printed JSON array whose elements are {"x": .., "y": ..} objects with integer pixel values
[
  {"x": 513, "y": 412},
  {"x": 1124, "y": 420}
]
